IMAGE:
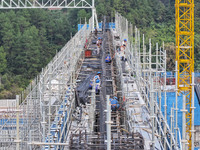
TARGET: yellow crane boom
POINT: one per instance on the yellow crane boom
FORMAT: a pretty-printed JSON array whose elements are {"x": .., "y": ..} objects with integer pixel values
[{"x": 185, "y": 58}]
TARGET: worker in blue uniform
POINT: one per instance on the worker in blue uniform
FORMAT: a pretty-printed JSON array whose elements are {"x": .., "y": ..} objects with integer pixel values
[
  {"x": 98, "y": 45},
  {"x": 97, "y": 88},
  {"x": 98, "y": 82},
  {"x": 122, "y": 50},
  {"x": 108, "y": 59},
  {"x": 114, "y": 103},
  {"x": 96, "y": 79},
  {"x": 124, "y": 43}
]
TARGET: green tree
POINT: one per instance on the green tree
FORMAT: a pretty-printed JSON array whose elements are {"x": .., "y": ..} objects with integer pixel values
[{"x": 3, "y": 61}]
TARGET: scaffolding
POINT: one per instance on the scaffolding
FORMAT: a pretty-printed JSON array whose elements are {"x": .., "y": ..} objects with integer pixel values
[
  {"x": 42, "y": 116},
  {"x": 147, "y": 69},
  {"x": 46, "y": 106}
]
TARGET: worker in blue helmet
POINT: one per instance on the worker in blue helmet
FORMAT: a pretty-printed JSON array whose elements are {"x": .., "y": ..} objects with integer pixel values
[
  {"x": 108, "y": 59},
  {"x": 114, "y": 103},
  {"x": 98, "y": 82},
  {"x": 98, "y": 75},
  {"x": 124, "y": 43},
  {"x": 98, "y": 43},
  {"x": 115, "y": 98},
  {"x": 95, "y": 79},
  {"x": 122, "y": 50}
]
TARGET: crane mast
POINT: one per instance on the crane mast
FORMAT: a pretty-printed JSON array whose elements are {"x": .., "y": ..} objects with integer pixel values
[{"x": 185, "y": 64}]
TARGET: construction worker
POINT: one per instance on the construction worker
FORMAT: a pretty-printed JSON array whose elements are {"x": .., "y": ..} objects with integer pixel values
[
  {"x": 96, "y": 79},
  {"x": 122, "y": 49},
  {"x": 95, "y": 31},
  {"x": 108, "y": 59},
  {"x": 124, "y": 43},
  {"x": 98, "y": 82},
  {"x": 97, "y": 88},
  {"x": 114, "y": 103},
  {"x": 97, "y": 76},
  {"x": 98, "y": 45}
]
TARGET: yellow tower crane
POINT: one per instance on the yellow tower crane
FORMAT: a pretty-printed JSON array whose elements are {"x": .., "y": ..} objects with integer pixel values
[{"x": 185, "y": 61}]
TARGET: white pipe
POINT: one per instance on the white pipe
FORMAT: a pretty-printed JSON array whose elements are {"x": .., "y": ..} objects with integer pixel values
[
  {"x": 171, "y": 127},
  {"x": 93, "y": 11},
  {"x": 152, "y": 113},
  {"x": 17, "y": 120},
  {"x": 192, "y": 111},
  {"x": 184, "y": 124},
  {"x": 176, "y": 109},
  {"x": 165, "y": 105},
  {"x": 108, "y": 122}
]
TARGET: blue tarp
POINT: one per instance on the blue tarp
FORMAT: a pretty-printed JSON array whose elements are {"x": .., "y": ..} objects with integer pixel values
[
  {"x": 172, "y": 74},
  {"x": 10, "y": 121},
  {"x": 171, "y": 100},
  {"x": 108, "y": 25},
  {"x": 80, "y": 26}
]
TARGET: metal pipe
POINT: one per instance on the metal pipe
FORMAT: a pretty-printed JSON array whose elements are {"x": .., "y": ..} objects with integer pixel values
[
  {"x": 93, "y": 7},
  {"x": 193, "y": 107},
  {"x": 171, "y": 119},
  {"x": 176, "y": 109},
  {"x": 184, "y": 110},
  {"x": 152, "y": 113},
  {"x": 17, "y": 121},
  {"x": 165, "y": 99},
  {"x": 108, "y": 122}
]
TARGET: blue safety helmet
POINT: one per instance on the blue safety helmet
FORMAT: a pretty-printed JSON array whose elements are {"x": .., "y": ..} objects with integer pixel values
[
  {"x": 99, "y": 38},
  {"x": 115, "y": 97},
  {"x": 97, "y": 80},
  {"x": 99, "y": 72},
  {"x": 125, "y": 40}
]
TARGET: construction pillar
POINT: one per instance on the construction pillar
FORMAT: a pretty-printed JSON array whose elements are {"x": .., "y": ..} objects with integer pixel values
[
  {"x": 93, "y": 11},
  {"x": 17, "y": 123},
  {"x": 108, "y": 123}
]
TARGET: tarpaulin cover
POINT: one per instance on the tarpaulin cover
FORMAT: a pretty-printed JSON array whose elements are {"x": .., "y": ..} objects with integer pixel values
[
  {"x": 171, "y": 100},
  {"x": 83, "y": 88}
]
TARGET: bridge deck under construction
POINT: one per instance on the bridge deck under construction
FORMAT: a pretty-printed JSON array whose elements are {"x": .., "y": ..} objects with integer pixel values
[{"x": 60, "y": 111}]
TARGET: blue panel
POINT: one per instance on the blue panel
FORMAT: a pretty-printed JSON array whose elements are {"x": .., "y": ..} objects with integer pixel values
[
  {"x": 197, "y": 74},
  {"x": 171, "y": 100},
  {"x": 108, "y": 26},
  {"x": 100, "y": 25}
]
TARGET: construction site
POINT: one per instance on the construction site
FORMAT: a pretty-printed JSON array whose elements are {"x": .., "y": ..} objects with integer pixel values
[{"x": 106, "y": 89}]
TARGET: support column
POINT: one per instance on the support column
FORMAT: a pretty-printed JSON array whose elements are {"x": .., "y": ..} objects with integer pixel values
[
  {"x": 176, "y": 109},
  {"x": 93, "y": 11},
  {"x": 17, "y": 122},
  {"x": 165, "y": 99},
  {"x": 184, "y": 110},
  {"x": 192, "y": 131},
  {"x": 152, "y": 113},
  {"x": 108, "y": 123}
]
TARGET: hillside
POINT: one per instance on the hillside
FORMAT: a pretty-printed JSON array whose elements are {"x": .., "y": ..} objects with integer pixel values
[{"x": 30, "y": 38}]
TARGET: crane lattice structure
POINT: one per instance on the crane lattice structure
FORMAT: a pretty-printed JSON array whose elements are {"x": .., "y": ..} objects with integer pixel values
[{"x": 185, "y": 66}]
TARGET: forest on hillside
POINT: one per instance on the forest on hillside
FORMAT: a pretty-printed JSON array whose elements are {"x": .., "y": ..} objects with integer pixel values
[{"x": 30, "y": 38}]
